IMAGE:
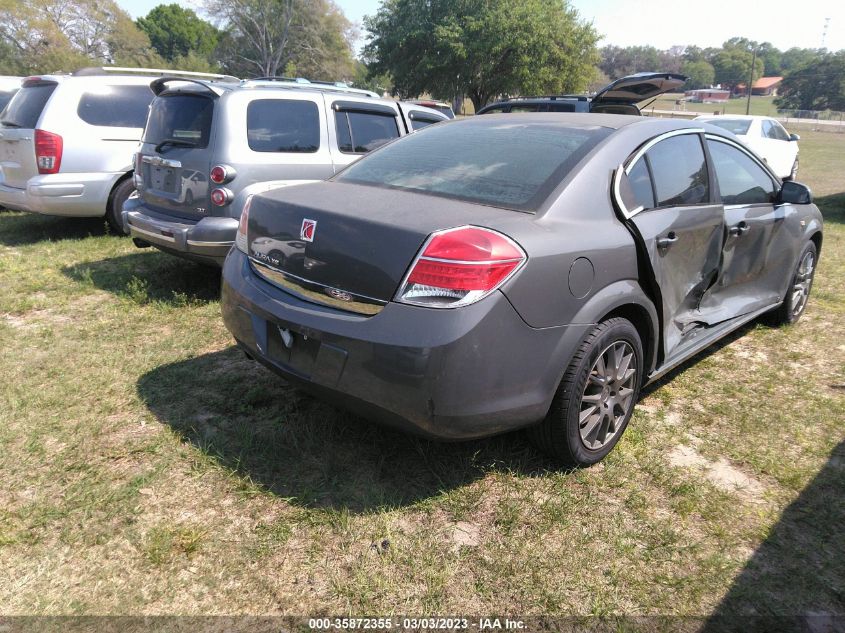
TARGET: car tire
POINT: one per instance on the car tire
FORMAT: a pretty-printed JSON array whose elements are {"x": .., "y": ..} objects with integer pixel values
[
  {"x": 589, "y": 391},
  {"x": 114, "y": 209},
  {"x": 793, "y": 173},
  {"x": 798, "y": 294}
]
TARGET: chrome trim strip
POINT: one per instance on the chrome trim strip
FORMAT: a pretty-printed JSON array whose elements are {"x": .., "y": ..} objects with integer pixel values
[
  {"x": 201, "y": 243},
  {"x": 656, "y": 140},
  {"x": 158, "y": 161},
  {"x": 471, "y": 263},
  {"x": 297, "y": 286},
  {"x": 632, "y": 161},
  {"x": 158, "y": 236}
]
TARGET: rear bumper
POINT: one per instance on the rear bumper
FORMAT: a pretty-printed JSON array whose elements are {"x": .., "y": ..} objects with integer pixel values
[
  {"x": 447, "y": 374},
  {"x": 207, "y": 241},
  {"x": 74, "y": 195}
]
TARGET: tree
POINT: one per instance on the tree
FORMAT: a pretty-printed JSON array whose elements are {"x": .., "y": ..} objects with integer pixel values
[
  {"x": 732, "y": 67},
  {"x": 265, "y": 37},
  {"x": 63, "y": 35},
  {"x": 480, "y": 48},
  {"x": 701, "y": 74},
  {"x": 617, "y": 61},
  {"x": 176, "y": 32},
  {"x": 797, "y": 58},
  {"x": 818, "y": 85}
]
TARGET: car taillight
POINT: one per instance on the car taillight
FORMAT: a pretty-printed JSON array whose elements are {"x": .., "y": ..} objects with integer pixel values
[
  {"x": 221, "y": 196},
  {"x": 221, "y": 174},
  {"x": 460, "y": 266},
  {"x": 48, "y": 152},
  {"x": 240, "y": 238}
]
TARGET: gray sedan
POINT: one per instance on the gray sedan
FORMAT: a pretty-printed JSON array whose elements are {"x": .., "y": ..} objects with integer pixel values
[{"x": 500, "y": 272}]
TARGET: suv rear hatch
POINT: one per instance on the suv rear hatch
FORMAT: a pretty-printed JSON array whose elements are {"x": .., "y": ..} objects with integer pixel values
[
  {"x": 173, "y": 163},
  {"x": 18, "y": 162},
  {"x": 630, "y": 90}
]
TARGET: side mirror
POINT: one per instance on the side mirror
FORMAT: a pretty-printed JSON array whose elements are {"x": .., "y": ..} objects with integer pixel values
[
  {"x": 794, "y": 193},
  {"x": 794, "y": 137}
]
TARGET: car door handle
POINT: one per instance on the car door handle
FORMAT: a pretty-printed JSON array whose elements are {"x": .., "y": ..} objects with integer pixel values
[
  {"x": 738, "y": 229},
  {"x": 666, "y": 242}
]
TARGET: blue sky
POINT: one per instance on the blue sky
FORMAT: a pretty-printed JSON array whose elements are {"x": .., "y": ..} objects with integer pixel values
[{"x": 663, "y": 23}]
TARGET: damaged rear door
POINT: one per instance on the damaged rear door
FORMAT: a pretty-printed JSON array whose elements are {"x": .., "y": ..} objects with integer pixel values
[{"x": 665, "y": 194}]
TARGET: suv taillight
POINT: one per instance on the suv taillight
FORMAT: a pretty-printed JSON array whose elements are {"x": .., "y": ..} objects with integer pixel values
[
  {"x": 138, "y": 174},
  {"x": 221, "y": 174},
  {"x": 460, "y": 266},
  {"x": 48, "y": 152},
  {"x": 240, "y": 238}
]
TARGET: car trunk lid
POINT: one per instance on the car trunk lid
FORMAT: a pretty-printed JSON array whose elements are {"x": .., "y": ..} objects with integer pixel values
[
  {"x": 17, "y": 132},
  {"x": 341, "y": 245}
]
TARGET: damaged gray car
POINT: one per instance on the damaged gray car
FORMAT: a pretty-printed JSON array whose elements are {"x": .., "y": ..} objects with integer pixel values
[{"x": 499, "y": 272}]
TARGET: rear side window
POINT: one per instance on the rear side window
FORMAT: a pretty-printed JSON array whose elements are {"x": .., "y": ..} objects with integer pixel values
[
  {"x": 361, "y": 132},
  {"x": 180, "y": 117},
  {"x": 640, "y": 181},
  {"x": 283, "y": 125},
  {"x": 679, "y": 170},
  {"x": 26, "y": 106},
  {"x": 508, "y": 164},
  {"x": 116, "y": 106},
  {"x": 741, "y": 180}
]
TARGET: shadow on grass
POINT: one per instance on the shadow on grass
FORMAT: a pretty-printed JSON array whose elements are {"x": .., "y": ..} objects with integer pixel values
[
  {"x": 795, "y": 581},
  {"x": 304, "y": 450},
  {"x": 832, "y": 207},
  {"x": 19, "y": 229},
  {"x": 148, "y": 276}
]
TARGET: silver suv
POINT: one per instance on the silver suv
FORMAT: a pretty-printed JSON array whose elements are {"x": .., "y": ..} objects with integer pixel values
[
  {"x": 66, "y": 142},
  {"x": 207, "y": 147}
]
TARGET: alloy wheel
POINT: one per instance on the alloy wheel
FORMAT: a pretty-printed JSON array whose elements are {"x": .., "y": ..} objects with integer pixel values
[
  {"x": 608, "y": 395},
  {"x": 802, "y": 283}
]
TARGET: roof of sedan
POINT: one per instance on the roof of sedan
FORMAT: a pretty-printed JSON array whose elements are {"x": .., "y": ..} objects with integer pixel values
[{"x": 578, "y": 119}]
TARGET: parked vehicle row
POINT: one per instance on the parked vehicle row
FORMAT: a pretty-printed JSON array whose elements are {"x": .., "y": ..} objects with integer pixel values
[
  {"x": 67, "y": 141},
  {"x": 210, "y": 145},
  {"x": 456, "y": 280}
]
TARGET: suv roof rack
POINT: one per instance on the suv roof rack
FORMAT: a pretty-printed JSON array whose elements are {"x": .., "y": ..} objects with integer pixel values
[
  {"x": 300, "y": 82},
  {"x": 120, "y": 70},
  {"x": 550, "y": 97}
]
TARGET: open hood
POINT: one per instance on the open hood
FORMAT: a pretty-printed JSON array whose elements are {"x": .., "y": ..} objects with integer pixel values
[{"x": 632, "y": 89}]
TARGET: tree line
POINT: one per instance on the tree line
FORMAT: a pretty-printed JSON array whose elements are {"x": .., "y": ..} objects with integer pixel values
[
  {"x": 449, "y": 49},
  {"x": 250, "y": 38}
]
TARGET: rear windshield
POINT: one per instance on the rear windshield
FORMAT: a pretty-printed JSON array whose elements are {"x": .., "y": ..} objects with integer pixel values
[
  {"x": 25, "y": 108},
  {"x": 180, "y": 117},
  {"x": 116, "y": 106},
  {"x": 737, "y": 126},
  {"x": 510, "y": 164}
]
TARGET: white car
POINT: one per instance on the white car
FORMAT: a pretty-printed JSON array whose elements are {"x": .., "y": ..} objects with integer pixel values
[{"x": 766, "y": 136}]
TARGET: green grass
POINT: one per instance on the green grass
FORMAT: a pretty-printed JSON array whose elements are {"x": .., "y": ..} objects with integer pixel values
[{"x": 148, "y": 467}]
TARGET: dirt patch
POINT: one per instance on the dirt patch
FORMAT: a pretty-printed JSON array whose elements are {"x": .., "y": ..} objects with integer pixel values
[
  {"x": 721, "y": 473},
  {"x": 465, "y": 534}
]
